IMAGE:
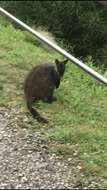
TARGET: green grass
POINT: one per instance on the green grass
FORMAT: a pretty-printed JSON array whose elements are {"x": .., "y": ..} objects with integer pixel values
[{"x": 78, "y": 120}]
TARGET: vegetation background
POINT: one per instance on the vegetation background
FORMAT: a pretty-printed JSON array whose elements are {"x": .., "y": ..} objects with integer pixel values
[{"x": 79, "y": 26}]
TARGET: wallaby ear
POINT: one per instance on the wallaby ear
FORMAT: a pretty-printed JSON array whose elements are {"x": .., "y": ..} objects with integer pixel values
[
  {"x": 65, "y": 61},
  {"x": 56, "y": 61}
]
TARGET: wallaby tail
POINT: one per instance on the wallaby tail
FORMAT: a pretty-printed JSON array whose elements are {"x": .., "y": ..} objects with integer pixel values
[{"x": 36, "y": 115}]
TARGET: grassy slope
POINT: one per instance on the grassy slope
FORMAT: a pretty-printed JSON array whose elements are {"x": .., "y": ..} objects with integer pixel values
[{"x": 77, "y": 120}]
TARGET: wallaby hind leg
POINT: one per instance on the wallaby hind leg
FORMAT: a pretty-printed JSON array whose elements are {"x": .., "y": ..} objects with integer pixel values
[
  {"x": 35, "y": 114},
  {"x": 49, "y": 99}
]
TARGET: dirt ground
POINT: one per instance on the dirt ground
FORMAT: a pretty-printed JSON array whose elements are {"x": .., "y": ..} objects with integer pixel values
[{"x": 25, "y": 161}]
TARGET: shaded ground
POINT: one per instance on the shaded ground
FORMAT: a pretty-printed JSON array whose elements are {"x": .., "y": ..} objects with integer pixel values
[{"x": 26, "y": 163}]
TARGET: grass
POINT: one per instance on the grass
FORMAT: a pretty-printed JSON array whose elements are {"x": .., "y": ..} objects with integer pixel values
[{"x": 78, "y": 120}]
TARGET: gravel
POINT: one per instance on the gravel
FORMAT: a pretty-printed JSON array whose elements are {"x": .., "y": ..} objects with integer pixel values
[{"x": 25, "y": 161}]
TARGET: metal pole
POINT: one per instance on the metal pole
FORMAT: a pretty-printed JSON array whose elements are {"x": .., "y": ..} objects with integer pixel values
[{"x": 57, "y": 48}]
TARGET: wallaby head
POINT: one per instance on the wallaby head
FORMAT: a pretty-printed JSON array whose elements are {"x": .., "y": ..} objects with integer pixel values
[{"x": 61, "y": 66}]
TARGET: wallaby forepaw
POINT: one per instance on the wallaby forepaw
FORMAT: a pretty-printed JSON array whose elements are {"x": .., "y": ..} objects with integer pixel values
[{"x": 54, "y": 99}]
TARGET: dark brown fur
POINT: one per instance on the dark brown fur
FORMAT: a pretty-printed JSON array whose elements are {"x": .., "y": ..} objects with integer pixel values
[{"x": 40, "y": 84}]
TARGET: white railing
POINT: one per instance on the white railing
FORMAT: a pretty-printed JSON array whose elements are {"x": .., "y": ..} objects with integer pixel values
[{"x": 56, "y": 47}]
